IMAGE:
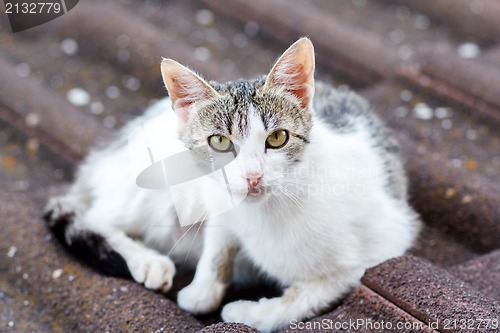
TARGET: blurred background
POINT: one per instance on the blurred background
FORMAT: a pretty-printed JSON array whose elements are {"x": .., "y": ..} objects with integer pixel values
[{"x": 430, "y": 68}]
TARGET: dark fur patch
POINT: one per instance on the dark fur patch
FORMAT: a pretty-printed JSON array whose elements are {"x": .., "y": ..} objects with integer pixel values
[{"x": 89, "y": 247}]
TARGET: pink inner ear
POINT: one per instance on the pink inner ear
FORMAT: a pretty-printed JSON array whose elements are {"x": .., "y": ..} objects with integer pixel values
[
  {"x": 300, "y": 87},
  {"x": 180, "y": 97},
  {"x": 294, "y": 72},
  {"x": 295, "y": 80},
  {"x": 180, "y": 94},
  {"x": 185, "y": 87}
]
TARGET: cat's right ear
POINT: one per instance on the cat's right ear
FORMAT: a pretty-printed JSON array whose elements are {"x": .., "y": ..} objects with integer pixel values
[{"x": 184, "y": 87}]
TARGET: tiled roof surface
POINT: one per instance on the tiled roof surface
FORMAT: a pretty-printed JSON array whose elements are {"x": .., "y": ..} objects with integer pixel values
[{"x": 431, "y": 69}]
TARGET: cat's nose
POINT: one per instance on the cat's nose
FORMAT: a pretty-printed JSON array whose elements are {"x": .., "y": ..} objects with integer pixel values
[{"x": 253, "y": 181}]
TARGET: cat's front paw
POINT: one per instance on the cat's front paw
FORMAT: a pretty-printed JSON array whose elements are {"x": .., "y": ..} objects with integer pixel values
[
  {"x": 201, "y": 298},
  {"x": 266, "y": 315},
  {"x": 153, "y": 270}
]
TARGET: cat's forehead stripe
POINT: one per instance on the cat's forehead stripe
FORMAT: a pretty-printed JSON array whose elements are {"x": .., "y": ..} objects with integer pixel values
[{"x": 254, "y": 120}]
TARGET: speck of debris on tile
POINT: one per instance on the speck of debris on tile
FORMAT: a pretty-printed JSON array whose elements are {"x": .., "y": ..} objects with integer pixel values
[
  {"x": 202, "y": 53},
  {"x": 471, "y": 134},
  {"x": 402, "y": 111},
  {"x": 466, "y": 199},
  {"x": 396, "y": 36},
  {"x": 450, "y": 193},
  {"x": 131, "y": 83},
  {"x": 32, "y": 145},
  {"x": 69, "y": 46},
  {"x": 446, "y": 124},
  {"x": 422, "y": 111},
  {"x": 469, "y": 50},
  {"x": 251, "y": 28},
  {"x": 96, "y": 108},
  {"x": 421, "y": 22},
  {"x": 78, "y": 96},
  {"x": 457, "y": 163},
  {"x": 112, "y": 92},
  {"x": 442, "y": 112},
  {"x": 204, "y": 17},
  {"x": 56, "y": 274},
  {"x": 12, "y": 251},
  {"x": 240, "y": 40},
  {"x": 471, "y": 164},
  {"x": 109, "y": 121},
  {"x": 23, "y": 69},
  {"x": 32, "y": 119},
  {"x": 405, "y": 51},
  {"x": 406, "y": 95}
]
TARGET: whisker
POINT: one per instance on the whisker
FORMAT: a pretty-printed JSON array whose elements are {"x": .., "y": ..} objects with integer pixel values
[
  {"x": 180, "y": 238},
  {"x": 201, "y": 218},
  {"x": 192, "y": 242}
]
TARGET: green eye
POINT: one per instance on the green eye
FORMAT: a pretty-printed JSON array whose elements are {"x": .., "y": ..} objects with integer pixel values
[
  {"x": 220, "y": 143},
  {"x": 277, "y": 139}
]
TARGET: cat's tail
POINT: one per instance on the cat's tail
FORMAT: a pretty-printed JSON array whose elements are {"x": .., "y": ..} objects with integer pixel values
[{"x": 62, "y": 214}]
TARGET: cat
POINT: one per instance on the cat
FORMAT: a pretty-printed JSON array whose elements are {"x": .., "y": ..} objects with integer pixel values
[{"x": 324, "y": 187}]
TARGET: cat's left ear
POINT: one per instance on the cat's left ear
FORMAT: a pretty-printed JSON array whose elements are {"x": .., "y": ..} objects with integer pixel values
[
  {"x": 185, "y": 87},
  {"x": 294, "y": 72}
]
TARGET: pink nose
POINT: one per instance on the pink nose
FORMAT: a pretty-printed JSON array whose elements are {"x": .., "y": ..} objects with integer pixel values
[{"x": 253, "y": 181}]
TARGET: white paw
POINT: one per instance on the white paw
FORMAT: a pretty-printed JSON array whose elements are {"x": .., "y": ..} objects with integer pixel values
[
  {"x": 201, "y": 298},
  {"x": 153, "y": 270},
  {"x": 266, "y": 315}
]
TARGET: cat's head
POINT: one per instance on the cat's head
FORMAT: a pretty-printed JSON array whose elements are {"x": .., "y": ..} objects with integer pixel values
[{"x": 267, "y": 121}]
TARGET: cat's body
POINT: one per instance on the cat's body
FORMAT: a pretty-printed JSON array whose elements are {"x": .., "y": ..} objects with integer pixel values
[{"x": 325, "y": 183}]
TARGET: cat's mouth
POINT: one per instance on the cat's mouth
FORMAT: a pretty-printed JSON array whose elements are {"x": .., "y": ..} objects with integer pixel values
[{"x": 257, "y": 191}]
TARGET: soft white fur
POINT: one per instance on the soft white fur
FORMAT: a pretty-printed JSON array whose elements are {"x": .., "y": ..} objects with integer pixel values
[
  {"x": 317, "y": 244},
  {"x": 321, "y": 223}
]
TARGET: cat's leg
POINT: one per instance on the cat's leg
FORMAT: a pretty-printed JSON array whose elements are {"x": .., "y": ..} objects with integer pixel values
[
  {"x": 213, "y": 272},
  {"x": 92, "y": 237},
  {"x": 146, "y": 266},
  {"x": 300, "y": 301}
]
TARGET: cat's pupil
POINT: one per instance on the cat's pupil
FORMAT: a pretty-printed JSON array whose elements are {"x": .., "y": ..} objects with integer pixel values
[
  {"x": 277, "y": 139},
  {"x": 220, "y": 143}
]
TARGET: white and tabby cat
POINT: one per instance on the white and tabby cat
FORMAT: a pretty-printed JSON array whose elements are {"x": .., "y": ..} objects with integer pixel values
[{"x": 327, "y": 195}]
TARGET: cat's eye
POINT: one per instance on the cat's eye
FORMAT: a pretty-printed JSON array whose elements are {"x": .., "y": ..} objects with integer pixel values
[
  {"x": 277, "y": 139},
  {"x": 220, "y": 143}
]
